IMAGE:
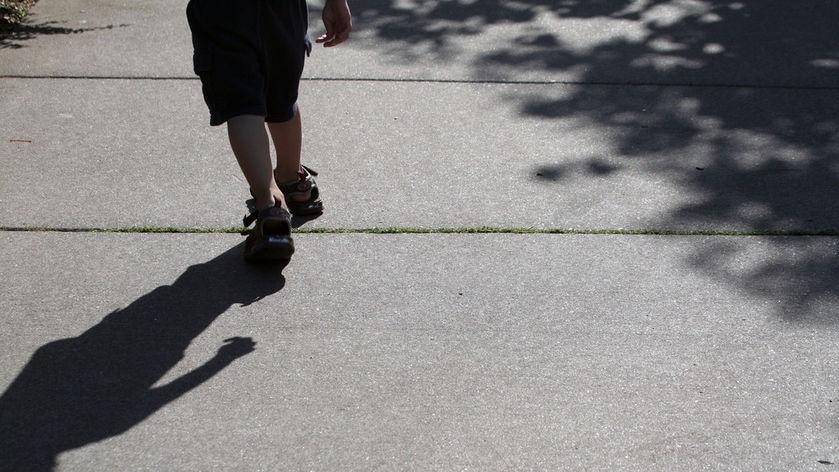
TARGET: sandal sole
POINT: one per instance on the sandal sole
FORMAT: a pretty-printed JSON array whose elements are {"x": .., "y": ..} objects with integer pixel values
[
  {"x": 308, "y": 210},
  {"x": 276, "y": 250}
]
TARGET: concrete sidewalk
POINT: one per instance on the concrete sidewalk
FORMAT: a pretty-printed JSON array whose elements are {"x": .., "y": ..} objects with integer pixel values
[
  {"x": 454, "y": 349},
  {"x": 411, "y": 352}
]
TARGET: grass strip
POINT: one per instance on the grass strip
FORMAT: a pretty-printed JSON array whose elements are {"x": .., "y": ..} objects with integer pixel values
[{"x": 441, "y": 230}]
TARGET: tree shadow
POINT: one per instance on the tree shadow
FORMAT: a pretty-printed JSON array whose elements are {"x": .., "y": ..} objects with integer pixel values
[
  {"x": 736, "y": 103},
  {"x": 758, "y": 156},
  {"x": 415, "y": 29},
  {"x": 15, "y": 36},
  {"x": 81, "y": 390}
]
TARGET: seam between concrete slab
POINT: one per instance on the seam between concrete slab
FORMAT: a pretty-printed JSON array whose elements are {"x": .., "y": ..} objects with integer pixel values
[
  {"x": 91, "y": 77},
  {"x": 604, "y": 83},
  {"x": 463, "y": 81},
  {"x": 441, "y": 230}
]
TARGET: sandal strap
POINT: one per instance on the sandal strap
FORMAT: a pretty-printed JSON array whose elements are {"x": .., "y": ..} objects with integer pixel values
[
  {"x": 249, "y": 218},
  {"x": 304, "y": 183},
  {"x": 253, "y": 216},
  {"x": 309, "y": 170}
]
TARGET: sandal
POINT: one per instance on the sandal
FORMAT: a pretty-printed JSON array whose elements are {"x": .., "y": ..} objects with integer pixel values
[
  {"x": 305, "y": 184},
  {"x": 270, "y": 239}
]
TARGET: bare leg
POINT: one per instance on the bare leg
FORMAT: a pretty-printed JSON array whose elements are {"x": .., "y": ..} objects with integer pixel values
[
  {"x": 288, "y": 141},
  {"x": 249, "y": 142}
]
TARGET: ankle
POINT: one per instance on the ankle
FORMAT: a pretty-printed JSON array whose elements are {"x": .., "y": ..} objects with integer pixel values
[
  {"x": 262, "y": 204},
  {"x": 263, "y": 199},
  {"x": 285, "y": 177}
]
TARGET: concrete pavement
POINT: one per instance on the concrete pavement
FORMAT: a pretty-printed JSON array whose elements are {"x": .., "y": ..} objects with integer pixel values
[
  {"x": 430, "y": 155},
  {"x": 412, "y": 352},
  {"x": 430, "y": 351},
  {"x": 663, "y": 42}
]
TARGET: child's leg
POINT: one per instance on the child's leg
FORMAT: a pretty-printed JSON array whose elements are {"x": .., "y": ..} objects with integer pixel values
[
  {"x": 297, "y": 183},
  {"x": 249, "y": 142},
  {"x": 288, "y": 141}
]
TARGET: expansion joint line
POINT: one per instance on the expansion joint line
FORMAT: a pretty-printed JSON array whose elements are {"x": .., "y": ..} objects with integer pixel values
[
  {"x": 600, "y": 83},
  {"x": 440, "y": 230}
]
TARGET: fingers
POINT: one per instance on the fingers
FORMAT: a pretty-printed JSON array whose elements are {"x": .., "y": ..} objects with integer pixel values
[
  {"x": 333, "y": 39},
  {"x": 239, "y": 340},
  {"x": 339, "y": 38}
]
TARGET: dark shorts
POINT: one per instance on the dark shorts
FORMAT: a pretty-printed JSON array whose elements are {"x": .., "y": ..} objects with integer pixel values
[{"x": 249, "y": 55}]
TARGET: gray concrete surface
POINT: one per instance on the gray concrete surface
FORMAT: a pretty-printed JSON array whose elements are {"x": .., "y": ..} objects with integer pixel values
[
  {"x": 704, "y": 42},
  {"x": 127, "y": 153},
  {"x": 431, "y": 352},
  {"x": 400, "y": 352}
]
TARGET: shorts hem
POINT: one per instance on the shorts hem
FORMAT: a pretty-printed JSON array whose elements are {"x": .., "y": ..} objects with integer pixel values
[
  {"x": 281, "y": 117},
  {"x": 222, "y": 118}
]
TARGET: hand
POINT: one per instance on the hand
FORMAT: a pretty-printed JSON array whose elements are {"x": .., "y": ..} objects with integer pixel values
[
  {"x": 338, "y": 22},
  {"x": 236, "y": 347}
]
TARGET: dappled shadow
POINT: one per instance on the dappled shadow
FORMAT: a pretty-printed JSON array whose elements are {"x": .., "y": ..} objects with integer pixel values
[
  {"x": 16, "y": 36},
  {"x": 759, "y": 156},
  {"x": 416, "y": 29},
  {"x": 81, "y": 390},
  {"x": 658, "y": 41},
  {"x": 735, "y": 103}
]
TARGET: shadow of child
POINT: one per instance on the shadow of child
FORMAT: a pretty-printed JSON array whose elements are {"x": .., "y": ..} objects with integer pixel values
[{"x": 81, "y": 390}]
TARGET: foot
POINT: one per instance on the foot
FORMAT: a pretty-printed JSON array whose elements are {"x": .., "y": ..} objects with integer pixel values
[
  {"x": 302, "y": 195},
  {"x": 270, "y": 239}
]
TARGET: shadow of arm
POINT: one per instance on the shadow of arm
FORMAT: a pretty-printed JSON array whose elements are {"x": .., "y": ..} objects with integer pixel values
[{"x": 233, "y": 349}]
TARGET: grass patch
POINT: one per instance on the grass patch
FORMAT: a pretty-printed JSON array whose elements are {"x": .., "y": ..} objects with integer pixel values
[
  {"x": 126, "y": 229},
  {"x": 12, "y": 12},
  {"x": 443, "y": 230}
]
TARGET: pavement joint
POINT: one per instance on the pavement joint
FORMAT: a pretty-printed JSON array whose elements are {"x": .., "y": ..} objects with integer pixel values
[
  {"x": 460, "y": 81},
  {"x": 440, "y": 230}
]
